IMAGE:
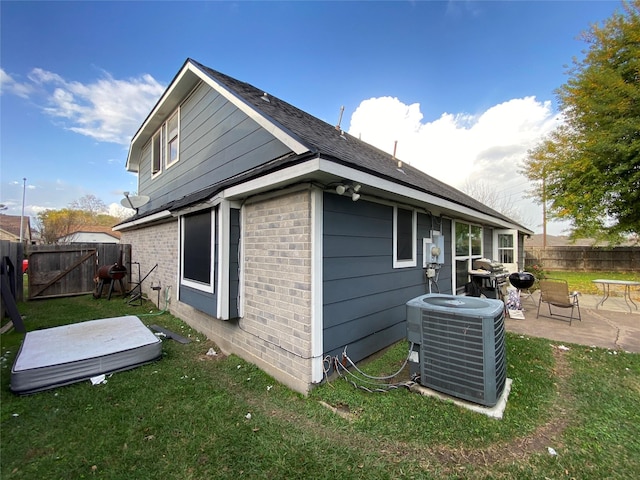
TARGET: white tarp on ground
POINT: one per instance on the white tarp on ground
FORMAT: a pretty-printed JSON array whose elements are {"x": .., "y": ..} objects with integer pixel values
[{"x": 71, "y": 353}]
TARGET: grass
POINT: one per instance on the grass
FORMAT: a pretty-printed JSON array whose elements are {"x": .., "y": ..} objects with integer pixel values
[
  {"x": 583, "y": 281},
  {"x": 186, "y": 417}
]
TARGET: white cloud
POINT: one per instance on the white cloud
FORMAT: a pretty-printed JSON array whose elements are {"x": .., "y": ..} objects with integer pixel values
[
  {"x": 456, "y": 148},
  {"x": 9, "y": 85},
  {"x": 107, "y": 110}
]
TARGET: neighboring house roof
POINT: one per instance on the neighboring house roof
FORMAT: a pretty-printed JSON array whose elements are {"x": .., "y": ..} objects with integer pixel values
[
  {"x": 308, "y": 137},
  {"x": 89, "y": 229},
  {"x": 10, "y": 227}
]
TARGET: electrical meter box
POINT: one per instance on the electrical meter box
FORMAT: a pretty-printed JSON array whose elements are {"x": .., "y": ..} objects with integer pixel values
[{"x": 433, "y": 249}]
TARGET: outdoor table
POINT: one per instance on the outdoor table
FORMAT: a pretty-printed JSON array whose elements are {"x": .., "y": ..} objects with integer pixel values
[{"x": 606, "y": 284}]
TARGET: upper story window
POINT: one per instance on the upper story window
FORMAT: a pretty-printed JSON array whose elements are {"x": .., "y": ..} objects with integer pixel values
[
  {"x": 166, "y": 144},
  {"x": 404, "y": 237}
]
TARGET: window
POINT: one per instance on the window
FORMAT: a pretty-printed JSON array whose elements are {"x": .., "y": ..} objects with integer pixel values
[
  {"x": 166, "y": 144},
  {"x": 172, "y": 139},
  {"x": 468, "y": 247},
  {"x": 505, "y": 248},
  {"x": 198, "y": 248},
  {"x": 404, "y": 237},
  {"x": 156, "y": 164}
]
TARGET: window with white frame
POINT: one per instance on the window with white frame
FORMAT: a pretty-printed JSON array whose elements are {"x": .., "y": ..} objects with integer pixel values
[
  {"x": 197, "y": 247},
  {"x": 404, "y": 237},
  {"x": 173, "y": 144},
  {"x": 166, "y": 144},
  {"x": 506, "y": 248},
  {"x": 468, "y": 247}
]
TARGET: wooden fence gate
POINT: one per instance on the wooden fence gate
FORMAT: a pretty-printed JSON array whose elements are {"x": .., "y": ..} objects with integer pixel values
[{"x": 67, "y": 270}]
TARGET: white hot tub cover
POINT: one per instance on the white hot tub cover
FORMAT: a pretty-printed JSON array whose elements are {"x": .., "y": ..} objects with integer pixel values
[{"x": 67, "y": 354}]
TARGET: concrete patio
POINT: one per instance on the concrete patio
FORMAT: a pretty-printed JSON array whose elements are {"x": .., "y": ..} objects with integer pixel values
[{"x": 609, "y": 326}]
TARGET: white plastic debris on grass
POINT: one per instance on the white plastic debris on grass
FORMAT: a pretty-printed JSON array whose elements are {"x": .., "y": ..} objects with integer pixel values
[
  {"x": 552, "y": 452},
  {"x": 248, "y": 416},
  {"x": 211, "y": 352},
  {"x": 269, "y": 387},
  {"x": 98, "y": 380},
  {"x": 563, "y": 348}
]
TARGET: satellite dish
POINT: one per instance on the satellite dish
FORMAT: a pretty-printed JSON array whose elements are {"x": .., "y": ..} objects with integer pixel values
[{"x": 134, "y": 201}]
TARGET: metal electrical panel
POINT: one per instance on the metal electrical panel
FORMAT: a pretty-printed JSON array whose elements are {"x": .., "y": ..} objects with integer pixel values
[{"x": 433, "y": 250}]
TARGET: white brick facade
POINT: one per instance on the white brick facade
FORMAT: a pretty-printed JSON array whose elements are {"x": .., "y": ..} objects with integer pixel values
[{"x": 275, "y": 330}]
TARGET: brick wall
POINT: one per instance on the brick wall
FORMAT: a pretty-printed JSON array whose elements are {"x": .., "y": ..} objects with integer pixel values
[
  {"x": 275, "y": 330},
  {"x": 277, "y": 281},
  {"x": 156, "y": 244}
]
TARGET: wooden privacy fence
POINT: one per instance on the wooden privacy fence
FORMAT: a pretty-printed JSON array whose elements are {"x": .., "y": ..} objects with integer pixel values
[
  {"x": 585, "y": 259},
  {"x": 66, "y": 270}
]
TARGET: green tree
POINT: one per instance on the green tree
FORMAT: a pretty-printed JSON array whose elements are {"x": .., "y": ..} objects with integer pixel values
[
  {"x": 87, "y": 211},
  {"x": 588, "y": 170}
]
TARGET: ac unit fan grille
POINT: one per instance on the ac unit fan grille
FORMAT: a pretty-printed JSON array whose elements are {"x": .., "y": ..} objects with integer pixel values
[{"x": 453, "y": 354}]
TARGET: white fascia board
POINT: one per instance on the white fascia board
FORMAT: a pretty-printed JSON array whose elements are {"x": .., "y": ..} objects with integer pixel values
[
  {"x": 326, "y": 166},
  {"x": 273, "y": 180},
  {"x": 143, "y": 134},
  {"x": 141, "y": 221},
  {"x": 147, "y": 128},
  {"x": 251, "y": 112},
  {"x": 396, "y": 188}
]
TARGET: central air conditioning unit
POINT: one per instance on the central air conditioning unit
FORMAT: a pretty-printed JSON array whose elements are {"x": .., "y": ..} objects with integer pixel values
[{"x": 458, "y": 346}]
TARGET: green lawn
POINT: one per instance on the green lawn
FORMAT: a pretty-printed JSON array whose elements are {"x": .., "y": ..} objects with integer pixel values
[
  {"x": 187, "y": 417},
  {"x": 583, "y": 281}
]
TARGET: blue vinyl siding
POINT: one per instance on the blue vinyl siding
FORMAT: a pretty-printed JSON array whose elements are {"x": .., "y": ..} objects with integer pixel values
[
  {"x": 217, "y": 141},
  {"x": 364, "y": 297}
]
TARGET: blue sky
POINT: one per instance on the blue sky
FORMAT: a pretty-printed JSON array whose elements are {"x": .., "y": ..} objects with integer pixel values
[{"x": 464, "y": 87}]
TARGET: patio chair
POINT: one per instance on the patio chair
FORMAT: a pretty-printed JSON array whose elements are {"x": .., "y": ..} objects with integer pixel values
[{"x": 556, "y": 293}]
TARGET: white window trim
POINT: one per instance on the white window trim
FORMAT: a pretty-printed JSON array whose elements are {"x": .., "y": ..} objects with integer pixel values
[
  {"x": 164, "y": 145},
  {"x": 153, "y": 153},
  {"x": 209, "y": 288},
  {"x": 224, "y": 213},
  {"x": 414, "y": 228},
  {"x": 167, "y": 163},
  {"x": 496, "y": 248},
  {"x": 469, "y": 257}
]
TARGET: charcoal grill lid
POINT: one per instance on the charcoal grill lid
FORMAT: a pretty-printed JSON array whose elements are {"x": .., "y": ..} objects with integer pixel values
[{"x": 522, "y": 280}]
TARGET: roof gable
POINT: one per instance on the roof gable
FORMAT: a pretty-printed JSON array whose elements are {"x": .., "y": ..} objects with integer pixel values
[
  {"x": 190, "y": 75},
  {"x": 303, "y": 132}
]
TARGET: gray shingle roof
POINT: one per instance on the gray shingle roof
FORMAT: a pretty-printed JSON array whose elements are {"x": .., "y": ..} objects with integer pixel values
[{"x": 323, "y": 139}]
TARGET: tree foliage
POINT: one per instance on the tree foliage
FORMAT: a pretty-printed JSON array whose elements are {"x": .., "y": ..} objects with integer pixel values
[
  {"x": 590, "y": 166},
  {"x": 86, "y": 211}
]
